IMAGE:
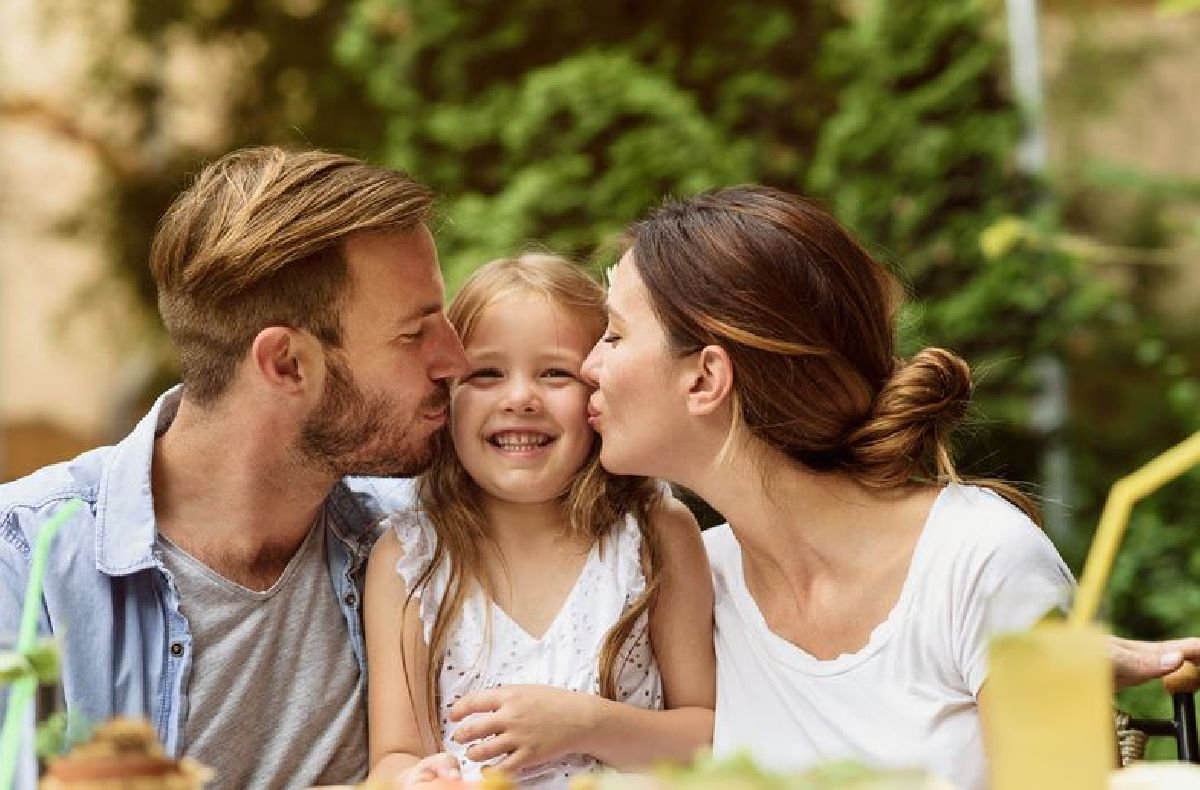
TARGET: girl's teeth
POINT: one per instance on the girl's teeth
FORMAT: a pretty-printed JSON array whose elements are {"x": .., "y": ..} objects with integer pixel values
[{"x": 520, "y": 443}]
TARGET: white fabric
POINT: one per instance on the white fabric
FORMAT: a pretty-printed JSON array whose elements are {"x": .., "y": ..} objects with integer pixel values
[
  {"x": 907, "y": 698},
  {"x": 567, "y": 655}
]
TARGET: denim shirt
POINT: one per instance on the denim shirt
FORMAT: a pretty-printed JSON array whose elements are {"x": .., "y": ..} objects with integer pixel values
[{"x": 126, "y": 647}]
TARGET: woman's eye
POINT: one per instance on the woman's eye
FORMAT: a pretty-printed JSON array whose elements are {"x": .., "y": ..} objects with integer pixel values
[{"x": 611, "y": 338}]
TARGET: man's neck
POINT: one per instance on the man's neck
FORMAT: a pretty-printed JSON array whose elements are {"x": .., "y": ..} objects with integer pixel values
[{"x": 229, "y": 490}]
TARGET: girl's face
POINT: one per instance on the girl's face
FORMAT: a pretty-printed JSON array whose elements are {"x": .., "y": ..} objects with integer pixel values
[
  {"x": 519, "y": 415},
  {"x": 634, "y": 409}
]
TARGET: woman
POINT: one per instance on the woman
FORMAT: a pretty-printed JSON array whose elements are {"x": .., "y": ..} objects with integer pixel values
[{"x": 750, "y": 357}]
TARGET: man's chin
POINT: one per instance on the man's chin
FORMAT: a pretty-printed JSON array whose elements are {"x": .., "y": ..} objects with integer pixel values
[{"x": 410, "y": 464}]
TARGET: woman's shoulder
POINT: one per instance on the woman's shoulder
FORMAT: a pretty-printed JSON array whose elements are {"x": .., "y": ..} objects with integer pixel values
[
  {"x": 976, "y": 526},
  {"x": 723, "y": 552}
]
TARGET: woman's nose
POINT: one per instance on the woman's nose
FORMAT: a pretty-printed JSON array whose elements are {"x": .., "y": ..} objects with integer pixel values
[{"x": 590, "y": 371}]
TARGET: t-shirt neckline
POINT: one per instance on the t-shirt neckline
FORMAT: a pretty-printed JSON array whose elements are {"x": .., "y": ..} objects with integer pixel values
[{"x": 800, "y": 659}]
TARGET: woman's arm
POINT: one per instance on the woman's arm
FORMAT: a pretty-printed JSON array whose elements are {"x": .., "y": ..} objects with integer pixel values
[
  {"x": 399, "y": 735},
  {"x": 536, "y": 723}
]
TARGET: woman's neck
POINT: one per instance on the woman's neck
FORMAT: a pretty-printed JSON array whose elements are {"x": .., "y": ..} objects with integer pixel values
[{"x": 795, "y": 521}]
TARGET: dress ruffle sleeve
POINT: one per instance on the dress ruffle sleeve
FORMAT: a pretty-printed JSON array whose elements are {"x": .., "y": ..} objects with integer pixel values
[
  {"x": 629, "y": 559},
  {"x": 418, "y": 541}
]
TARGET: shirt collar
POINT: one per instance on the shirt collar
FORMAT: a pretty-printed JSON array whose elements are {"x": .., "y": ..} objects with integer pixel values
[
  {"x": 125, "y": 525},
  {"x": 126, "y": 530}
]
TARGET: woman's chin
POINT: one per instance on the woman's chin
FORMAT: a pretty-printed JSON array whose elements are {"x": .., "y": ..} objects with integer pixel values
[{"x": 616, "y": 464}]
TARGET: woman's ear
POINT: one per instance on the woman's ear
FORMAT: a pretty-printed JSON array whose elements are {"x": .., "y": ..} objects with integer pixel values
[
  {"x": 284, "y": 359},
  {"x": 711, "y": 380}
]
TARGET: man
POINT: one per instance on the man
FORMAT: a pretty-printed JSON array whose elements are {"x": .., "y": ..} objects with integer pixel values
[{"x": 213, "y": 583}]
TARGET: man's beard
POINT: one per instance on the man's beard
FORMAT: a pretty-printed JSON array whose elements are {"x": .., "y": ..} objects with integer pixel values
[{"x": 357, "y": 433}]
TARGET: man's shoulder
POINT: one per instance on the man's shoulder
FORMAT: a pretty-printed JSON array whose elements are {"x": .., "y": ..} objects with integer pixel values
[
  {"x": 361, "y": 504},
  {"x": 383, "y": 496},
  {"x": 28, "y": 502}
]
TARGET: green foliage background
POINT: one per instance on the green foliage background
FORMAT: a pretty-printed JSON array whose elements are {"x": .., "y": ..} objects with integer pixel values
[{"x": 554, "y": 124}]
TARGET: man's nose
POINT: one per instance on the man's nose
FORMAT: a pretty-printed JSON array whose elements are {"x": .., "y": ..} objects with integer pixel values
[{"x": 450, "y": 361}]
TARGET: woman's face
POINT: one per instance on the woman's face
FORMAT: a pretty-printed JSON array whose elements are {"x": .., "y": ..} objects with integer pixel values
[{"x": 633, "y": 409}]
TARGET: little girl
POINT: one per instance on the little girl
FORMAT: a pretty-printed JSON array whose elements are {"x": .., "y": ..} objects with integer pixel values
[{"x": 533, "y": 611}]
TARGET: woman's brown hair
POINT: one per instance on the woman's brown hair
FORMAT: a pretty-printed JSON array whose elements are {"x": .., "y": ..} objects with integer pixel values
[
  {"x": 593, "y": 504},
  {"x": 807, "y": 317}
]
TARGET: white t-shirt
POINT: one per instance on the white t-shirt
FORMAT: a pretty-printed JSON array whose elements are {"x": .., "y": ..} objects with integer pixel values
[
  {"x": 907, "y": 698},
  {"x": 486, "y": 648}
]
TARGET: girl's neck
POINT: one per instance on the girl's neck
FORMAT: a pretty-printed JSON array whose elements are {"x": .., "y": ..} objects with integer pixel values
[{"x": 520, "y": 526}]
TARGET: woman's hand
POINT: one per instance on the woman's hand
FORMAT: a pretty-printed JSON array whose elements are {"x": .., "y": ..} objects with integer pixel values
[
  {"x": 1136, "y": 662},
  {"x": 532, "y": 724},
  {"x": 435, "y": 766}
]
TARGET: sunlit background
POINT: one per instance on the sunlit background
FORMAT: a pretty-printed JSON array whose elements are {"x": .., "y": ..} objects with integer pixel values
[{"x": 1057, "y": 248}]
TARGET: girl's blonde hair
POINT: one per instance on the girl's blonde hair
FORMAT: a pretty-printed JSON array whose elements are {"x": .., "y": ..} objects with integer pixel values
[{"x": 595, "y": 501}]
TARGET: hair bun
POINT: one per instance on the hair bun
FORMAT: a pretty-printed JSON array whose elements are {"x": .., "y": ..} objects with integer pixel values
[
  {"x": 910, "y": 423},
  {"x": 934, "y": 384}
]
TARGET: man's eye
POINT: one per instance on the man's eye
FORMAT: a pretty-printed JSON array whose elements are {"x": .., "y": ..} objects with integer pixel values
[{"x": 411, "y": 337}]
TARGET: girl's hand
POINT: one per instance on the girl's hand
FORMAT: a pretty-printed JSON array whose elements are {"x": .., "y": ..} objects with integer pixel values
[
  {"x": 435, "y": 766},
  {"x": 532, "y": 724}
]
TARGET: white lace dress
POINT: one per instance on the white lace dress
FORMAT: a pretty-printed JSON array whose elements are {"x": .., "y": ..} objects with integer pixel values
[{"x": 567, "y": 655}]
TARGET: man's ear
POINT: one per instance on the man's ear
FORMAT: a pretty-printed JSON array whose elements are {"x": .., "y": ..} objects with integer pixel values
[
  {"x": 284, "y": 359},
  {"x": 710, "y": 380}
]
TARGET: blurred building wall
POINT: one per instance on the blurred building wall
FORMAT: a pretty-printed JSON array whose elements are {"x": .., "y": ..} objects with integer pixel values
[
  {"x": 60, "y": 360},
  {"x": 1153, "y": 124}
]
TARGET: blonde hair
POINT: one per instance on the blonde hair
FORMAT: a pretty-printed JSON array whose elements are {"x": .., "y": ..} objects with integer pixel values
[
  {"x": 594, "y": 503},
  {"x": 256, "y": 241}
]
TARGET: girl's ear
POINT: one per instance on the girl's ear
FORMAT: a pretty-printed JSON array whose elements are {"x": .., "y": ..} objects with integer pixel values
[
  {"x": 711, "y": 381},
  {"x": 285, "y": 360}
]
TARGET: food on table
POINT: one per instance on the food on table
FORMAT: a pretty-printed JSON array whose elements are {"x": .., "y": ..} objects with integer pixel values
[
  {"x": 491, "y": 780},
  {"x": 740, "y": 773},
  {"x": 125, "y": 754}
]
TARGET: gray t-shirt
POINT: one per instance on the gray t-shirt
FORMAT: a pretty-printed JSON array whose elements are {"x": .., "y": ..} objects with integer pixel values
[{"x": 274, "y": 698}]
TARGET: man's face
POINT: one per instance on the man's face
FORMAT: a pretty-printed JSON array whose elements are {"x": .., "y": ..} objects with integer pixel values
[{"x": 387, "y": 388}]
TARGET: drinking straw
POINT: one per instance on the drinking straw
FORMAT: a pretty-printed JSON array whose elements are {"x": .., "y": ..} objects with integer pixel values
[
  {"x": 23, "y": 690},
  {"x": 1124, "y": 495}
]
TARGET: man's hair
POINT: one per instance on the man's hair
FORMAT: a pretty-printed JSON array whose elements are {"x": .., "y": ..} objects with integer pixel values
[{"x": 257, "y": 241}]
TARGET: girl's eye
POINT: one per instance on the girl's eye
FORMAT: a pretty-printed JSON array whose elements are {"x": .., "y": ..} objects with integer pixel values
[
  {"x": 483, "y": 373},
  {"x": 558, "y": 373}
]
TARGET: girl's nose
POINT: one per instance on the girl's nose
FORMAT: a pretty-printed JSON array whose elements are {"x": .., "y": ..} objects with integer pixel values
[{"x": 521, "y": 397}]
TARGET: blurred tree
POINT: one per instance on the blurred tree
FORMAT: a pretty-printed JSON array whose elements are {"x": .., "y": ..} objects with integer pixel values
[
  {"x": 264, "y": 69},
  {"x": 919, "y": 157},
  {"x": 561, "y": 123}
]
